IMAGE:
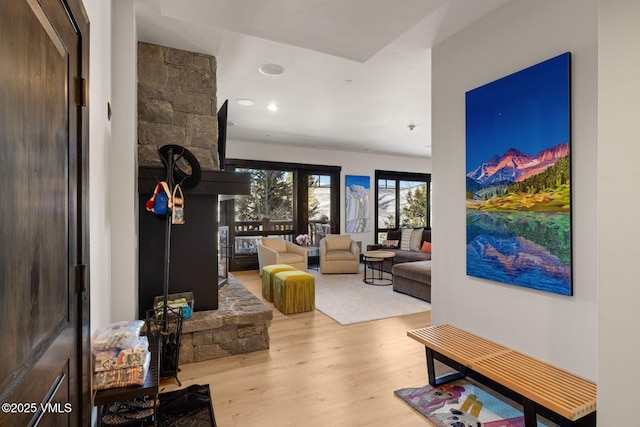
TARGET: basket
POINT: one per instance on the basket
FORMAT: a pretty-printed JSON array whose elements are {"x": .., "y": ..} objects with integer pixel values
[{"x": 165, "y": 325}]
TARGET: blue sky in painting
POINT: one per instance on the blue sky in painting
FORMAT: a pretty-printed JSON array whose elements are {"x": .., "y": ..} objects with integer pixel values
[
  {"x": 358, "y": 180},
  {"x": 527, "y": 110}
]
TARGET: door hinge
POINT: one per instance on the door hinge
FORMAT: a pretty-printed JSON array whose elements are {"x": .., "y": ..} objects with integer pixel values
[
  {"x": 81, "y": 278},
  {"x": 82, "y": 92}
]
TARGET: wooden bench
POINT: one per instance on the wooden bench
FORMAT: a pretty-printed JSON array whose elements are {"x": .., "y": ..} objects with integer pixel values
[{"x": 543, "y": 389}]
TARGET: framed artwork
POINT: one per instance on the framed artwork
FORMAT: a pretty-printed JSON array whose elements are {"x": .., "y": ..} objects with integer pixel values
[
  {"x": 357, "y": 203},
  {"x": 518, "y": 178}
]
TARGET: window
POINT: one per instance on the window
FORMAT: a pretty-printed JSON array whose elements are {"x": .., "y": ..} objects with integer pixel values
[
  {"x": 269, "y": 207},
  {"x": 286, "y": 199},
  {"x": 402, "y": 200}
]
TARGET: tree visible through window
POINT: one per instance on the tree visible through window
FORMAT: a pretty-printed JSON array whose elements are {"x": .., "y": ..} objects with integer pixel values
[
  {"x": 271, "y": 196},
  {"x": 403, "y": 201}
]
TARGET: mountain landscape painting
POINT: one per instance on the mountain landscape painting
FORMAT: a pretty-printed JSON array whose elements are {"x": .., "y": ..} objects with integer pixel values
[{"x": 518, "y": 178}]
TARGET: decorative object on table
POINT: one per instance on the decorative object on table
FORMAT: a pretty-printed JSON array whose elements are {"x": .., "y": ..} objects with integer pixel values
[
  {"x": 177, "y": 212},
  {"x": 463, "y": 403},
  {"x": 357, "y": 204},
  {"x": 518, "y": 178},
  {"x": 191, "y": 406},
  {"x": 303, "y": 239}
]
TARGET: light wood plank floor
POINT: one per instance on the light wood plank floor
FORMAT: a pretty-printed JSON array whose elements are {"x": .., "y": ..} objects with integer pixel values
[{"x": 316, "y": 373}]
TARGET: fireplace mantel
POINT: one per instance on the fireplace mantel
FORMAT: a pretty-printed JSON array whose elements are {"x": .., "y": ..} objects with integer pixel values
[{"x": 212, "y": 182}]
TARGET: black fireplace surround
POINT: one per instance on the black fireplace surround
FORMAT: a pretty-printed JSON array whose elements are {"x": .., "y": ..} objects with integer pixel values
[{"x": 194, "y": 245}]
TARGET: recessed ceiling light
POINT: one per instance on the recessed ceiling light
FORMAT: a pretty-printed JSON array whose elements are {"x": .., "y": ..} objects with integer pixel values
[
  {"x": 245, "y": 102},
  {"x": 272, "y": 107},
  {"x": 271, "y": 69}
]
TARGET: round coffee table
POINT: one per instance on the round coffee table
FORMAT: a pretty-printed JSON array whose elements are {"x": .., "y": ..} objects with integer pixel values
[{"x": 374, "y": 260}]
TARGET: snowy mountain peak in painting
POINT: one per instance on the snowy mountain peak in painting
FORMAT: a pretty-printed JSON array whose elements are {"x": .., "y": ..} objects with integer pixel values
[{"x": 516, "y": 166}]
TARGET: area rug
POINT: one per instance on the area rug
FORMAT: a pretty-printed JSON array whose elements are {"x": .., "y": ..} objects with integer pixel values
[
  {"x": 348, "y": 300},
  {"x": 188, "y": 407},
  {"x": 464, "y": 403}
]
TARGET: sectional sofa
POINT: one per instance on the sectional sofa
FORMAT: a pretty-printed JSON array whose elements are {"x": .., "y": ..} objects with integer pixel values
[
  {"x": 413, "y": 254},
  {"x": 411, "y": 268}
]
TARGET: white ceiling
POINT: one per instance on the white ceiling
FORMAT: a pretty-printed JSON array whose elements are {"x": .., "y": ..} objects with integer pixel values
[{"x": 357, "y": 73}]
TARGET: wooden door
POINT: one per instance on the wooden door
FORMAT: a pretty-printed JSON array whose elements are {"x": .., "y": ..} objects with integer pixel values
[{"x": 44, "y": 358}]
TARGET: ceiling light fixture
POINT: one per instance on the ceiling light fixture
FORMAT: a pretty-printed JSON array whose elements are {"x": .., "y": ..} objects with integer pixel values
[
  {"x": 245, "y": 102},
  {"x": 230, "y": 123},
  {"x": 411, "y": 126},
  {"x": 271, "y": 69},
  {"x": 272, "y": 107}
]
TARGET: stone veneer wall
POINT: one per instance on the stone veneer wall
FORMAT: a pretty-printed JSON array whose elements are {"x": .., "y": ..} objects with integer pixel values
[
  {"x": 240, "y": 325},
  {"x": 176, "y": 104}
]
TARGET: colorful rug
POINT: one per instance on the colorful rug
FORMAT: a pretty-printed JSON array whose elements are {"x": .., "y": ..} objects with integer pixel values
[{"x": 463, "y": 404}]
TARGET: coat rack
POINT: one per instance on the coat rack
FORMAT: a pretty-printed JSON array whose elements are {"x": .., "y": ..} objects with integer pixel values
[{"x": 166, "y": 325}]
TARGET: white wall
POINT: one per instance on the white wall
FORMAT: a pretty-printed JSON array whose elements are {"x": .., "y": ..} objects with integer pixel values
[
  {"x": 352, "y": 164},
  {"x": 618, "y": 205},
  {"x": 99, "y": 13},
  {"x": 123, "y": 159},
  {"x": 558, "y": 329}
]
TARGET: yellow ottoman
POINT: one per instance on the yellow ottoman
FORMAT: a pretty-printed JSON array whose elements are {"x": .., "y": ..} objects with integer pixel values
[
  {"x": 294, "y": 291},
  {"x": 267, "y": 278}
]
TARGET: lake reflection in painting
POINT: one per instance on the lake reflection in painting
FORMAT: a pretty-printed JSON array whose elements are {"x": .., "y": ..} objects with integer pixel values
[
  {"x": 522, "y": 248},
  {"x": 518, "y": 178}
]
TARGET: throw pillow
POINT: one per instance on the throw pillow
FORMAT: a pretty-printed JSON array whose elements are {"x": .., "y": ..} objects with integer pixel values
[
  {"x": 390, "y": 244},
  {"x": 426, "y": 247},
  {"x": 405, "y": 240},
  {"x": 415, "y": 240}
]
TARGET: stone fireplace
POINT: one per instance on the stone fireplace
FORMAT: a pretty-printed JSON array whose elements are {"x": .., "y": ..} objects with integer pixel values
[{"x": 177, "y": 105}]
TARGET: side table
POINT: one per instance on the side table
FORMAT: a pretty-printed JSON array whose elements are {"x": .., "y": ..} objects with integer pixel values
[
  {"x": 374, "y": 260},
  {"x": 101, "y": 398},
  {"x": 313, "y": 251}
]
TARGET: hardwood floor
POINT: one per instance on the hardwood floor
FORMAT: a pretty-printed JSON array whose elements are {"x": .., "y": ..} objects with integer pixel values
[{"x": 316, "y": 373}]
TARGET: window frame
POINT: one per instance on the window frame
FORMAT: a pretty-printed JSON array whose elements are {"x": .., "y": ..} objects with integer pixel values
[
  {"x": 301, "y": 172},
  {"x": 397, "y": 177}
]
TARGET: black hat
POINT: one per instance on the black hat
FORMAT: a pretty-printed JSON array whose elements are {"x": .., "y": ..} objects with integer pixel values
[{"x": 186, "y": 168}]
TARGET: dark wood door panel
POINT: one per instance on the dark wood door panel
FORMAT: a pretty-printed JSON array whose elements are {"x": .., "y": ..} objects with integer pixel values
[
  {"x": 36, "y": 166},
  {"x": 46, "y": 388},
  {"x": 40, "y": 225}
]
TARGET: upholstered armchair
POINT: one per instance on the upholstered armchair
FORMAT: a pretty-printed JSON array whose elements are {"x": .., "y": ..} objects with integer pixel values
[
  {"x": 276, "y": 250},
  {"x": 339, "y": 254}
]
